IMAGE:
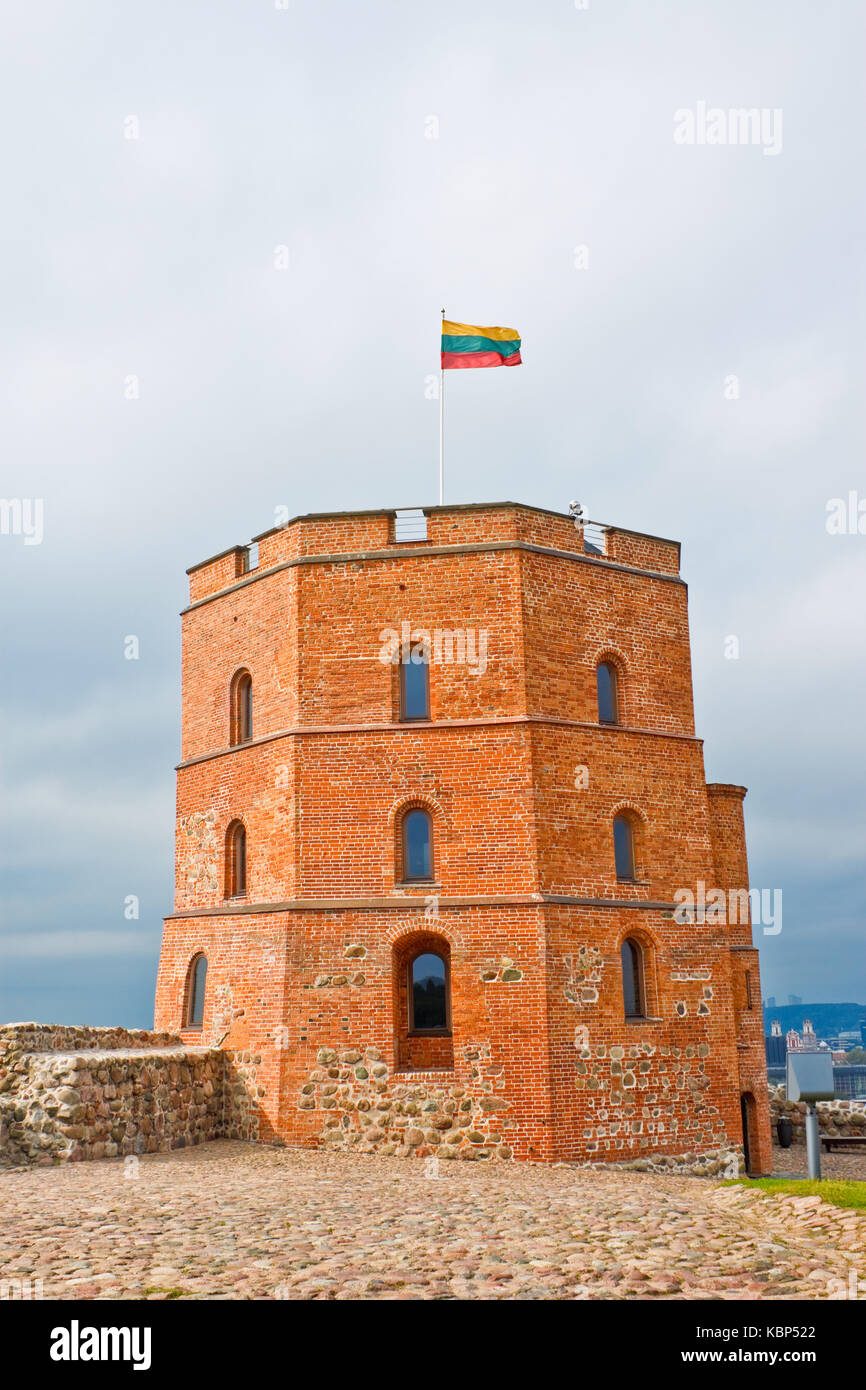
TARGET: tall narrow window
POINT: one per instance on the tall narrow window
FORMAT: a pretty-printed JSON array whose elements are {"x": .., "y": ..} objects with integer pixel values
[
  {"x": 633, "y": 994},
  {"x": 749, "y": 1004},
  {"x": 417, "y": 846},
  {"x": 415, "y": 683},
  {"x": 236, "y": 860},
  {"x": 241, "y": 708},
  {"x": 428, "y": 994},
  {"x": 623, "y": 847},
  {"x": 195, "y": 992},
  {"x": 608, "y": 695}
]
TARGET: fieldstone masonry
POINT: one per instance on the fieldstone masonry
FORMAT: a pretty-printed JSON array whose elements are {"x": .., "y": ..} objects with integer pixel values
[
  {"x": 842, "y": 1117},
  {"x": 363, "y": 1106},
  {"x": 77, "y": 1093},
  {"x": 69, "y": 1093}
]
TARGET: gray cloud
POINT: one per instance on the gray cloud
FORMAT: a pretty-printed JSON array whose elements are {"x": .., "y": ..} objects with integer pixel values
[{"x": 306, "y": 128}]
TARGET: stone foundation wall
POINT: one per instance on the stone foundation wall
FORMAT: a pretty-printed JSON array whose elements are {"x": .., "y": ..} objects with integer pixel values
[
  {"x": 844, "y": 1117},
  {"x": 712, "y": 1163},
  {"x": 68, "y": 1094},
  {"x": 363, "y": 1106},
  {"x": 78, "y": 1093}
]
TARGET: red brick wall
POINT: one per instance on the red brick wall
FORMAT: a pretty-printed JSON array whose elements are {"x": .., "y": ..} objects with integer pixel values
[
  {"x": 732, "y": 872},
  {"x": 658, "y": 779},
  {"x": 306, "y": 983},
  {"x": 662, "y": 1085},
  {"x": 577, "y": 613}
]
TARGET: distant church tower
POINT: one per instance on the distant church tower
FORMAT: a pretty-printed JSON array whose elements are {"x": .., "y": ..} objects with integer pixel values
[{"x": 439, "y": 784}]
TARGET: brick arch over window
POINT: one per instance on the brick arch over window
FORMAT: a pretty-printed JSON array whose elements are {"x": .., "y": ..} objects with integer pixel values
[
  {"x": 447, "y": 931},
  {"x": 614, "y": 658},
  {"x": 240, "y": 707},
  {"x": 396, "y": 870},
  {"x": 632, "y": 809},
  {"x": 418, "y": 1048}
]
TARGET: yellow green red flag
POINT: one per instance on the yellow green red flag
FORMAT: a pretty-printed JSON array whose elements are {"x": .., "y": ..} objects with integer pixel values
[{"x": 467, "y": 345}]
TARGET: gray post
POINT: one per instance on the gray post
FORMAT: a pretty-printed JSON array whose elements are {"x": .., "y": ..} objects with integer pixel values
[{"x": 813, "y": 1141}]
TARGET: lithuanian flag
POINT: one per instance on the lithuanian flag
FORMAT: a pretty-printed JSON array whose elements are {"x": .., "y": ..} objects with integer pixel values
[{"x": 465, "y": 345}]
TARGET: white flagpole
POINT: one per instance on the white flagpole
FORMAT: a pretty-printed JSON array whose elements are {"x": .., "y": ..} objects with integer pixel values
[{"x": 442, "y": 428}]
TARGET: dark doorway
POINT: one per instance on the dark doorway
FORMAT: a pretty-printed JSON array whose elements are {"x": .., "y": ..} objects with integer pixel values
[{"x": 744, "y": 1116}]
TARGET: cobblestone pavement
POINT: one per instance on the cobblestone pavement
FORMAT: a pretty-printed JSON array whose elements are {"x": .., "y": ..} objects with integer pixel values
[
  {"x": 794, "y": 1163},
  {"x": 230, "y": 1220}
]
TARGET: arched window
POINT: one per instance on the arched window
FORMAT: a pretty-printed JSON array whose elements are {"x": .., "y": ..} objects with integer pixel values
[
  {"x": 236, "y": 860},
  {"x": 241, "y": 708},
  {"x": 415, "y": 682},
  {"x": 429, "y": 1010},
  {"x": 195, "y": 992},
  {"x": 633, "y": 991},
  {"x": 608, "y": 693},
  {"x": 623, "y": 847},
  {"x": 416, "y": 843}
]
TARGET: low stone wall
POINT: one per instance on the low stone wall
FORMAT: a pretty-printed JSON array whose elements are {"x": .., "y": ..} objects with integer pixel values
[
  {"x": 68, "y": 1094},
  {"x": 843, "y": 1117},
  {"x": 61, "y": 1037}
]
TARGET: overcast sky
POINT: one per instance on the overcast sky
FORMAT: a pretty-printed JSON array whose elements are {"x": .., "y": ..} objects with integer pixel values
[{"x": 411, "y": 157}]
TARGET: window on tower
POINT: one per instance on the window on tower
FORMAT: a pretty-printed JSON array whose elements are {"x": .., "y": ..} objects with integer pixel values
[
  {"x": 623, "y": 847},
  {"x": 429, "y": 1010},
  {"x": 608, "y": 695},
  {"x": 415, "y": 683},
  {"x": 633, "y": 990},
  {"x": 422, "y": 995},
  {"x": 241, "y": 702},
  {"x": 196, "y": 980},
  {"x": 236, "y": 860},
  {"x": 416, "y": 844}
]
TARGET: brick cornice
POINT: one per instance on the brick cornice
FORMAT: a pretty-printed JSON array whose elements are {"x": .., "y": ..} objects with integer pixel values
[
  {"x": 306, "y": 730},
  {"x": 418, "y": 904}
]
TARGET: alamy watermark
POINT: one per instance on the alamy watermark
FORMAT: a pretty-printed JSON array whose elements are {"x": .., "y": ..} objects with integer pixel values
[
  {"x": 736, "y": 125},
  {"x": 718, "y": 907},
  {"x": 846, "y": 516},
  {"x": 22, "y": 516},
  {"x": 26, "y": 1289},
  {"x": 852, "y": 1287},
  {"x": 464, "y": 646}
]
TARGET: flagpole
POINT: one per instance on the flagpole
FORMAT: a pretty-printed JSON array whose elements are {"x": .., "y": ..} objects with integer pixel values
[{"x": 442, "y": 426}]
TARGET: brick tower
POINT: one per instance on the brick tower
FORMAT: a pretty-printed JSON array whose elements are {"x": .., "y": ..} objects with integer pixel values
[{"x": 436, "y": 797}]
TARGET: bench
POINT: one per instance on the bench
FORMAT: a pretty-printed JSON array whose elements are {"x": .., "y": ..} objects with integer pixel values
[{"x": 841, "y": 1141}]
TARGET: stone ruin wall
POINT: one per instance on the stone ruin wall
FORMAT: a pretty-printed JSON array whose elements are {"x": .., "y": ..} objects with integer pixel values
[
  {"x": 79, "y": 1093},
  {"x": 835, "y": 1117}
]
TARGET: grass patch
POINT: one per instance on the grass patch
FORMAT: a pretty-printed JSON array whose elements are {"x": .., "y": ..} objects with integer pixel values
[
  {"x": 159, "y": 1288},
  {"x": 836, "y": 1191}
]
